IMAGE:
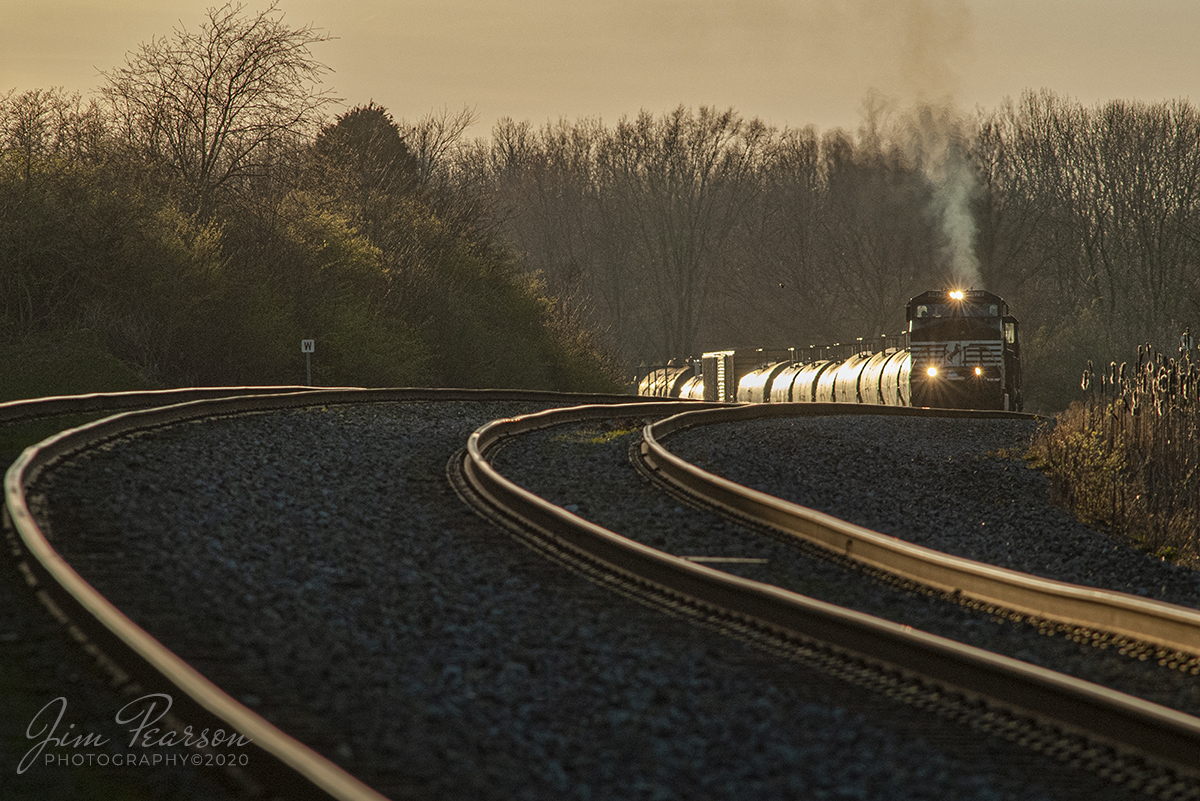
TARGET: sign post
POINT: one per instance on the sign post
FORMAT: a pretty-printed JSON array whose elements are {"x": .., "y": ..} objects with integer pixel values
[{"x": 307, "y": 346}]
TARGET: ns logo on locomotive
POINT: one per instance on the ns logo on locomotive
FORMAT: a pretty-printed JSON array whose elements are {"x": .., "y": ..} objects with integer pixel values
[{"x": 960, "y": 352}]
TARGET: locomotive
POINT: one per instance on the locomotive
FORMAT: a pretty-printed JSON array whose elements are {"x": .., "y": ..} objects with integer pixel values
[{"x": 960, "y": 351}]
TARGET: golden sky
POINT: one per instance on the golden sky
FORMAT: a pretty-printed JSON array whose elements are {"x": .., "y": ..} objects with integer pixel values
[{"x": 790, "y": 62}]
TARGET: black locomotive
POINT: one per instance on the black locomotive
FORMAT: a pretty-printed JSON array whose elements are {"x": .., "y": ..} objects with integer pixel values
[{"x": 961, "y": 351}]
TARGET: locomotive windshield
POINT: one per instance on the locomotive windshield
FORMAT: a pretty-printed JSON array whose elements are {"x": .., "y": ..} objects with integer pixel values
[{"x": 961, "y": 309}]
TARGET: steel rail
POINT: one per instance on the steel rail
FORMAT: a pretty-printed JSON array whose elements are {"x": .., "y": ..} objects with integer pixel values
[
  {"x": 136, "y": 659},
  {"x": 1130, "y": 724},
  {"x": 1165, "y": 625},
  {"x": 57, "y": 405}
]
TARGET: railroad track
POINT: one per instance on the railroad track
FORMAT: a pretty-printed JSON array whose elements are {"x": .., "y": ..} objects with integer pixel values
[
  {"x": 139, "y": 665},
  {"x": 1172, "y": 629},
  {"x": 1059, "y": 713},
  {"x": 983, "y": 683}
]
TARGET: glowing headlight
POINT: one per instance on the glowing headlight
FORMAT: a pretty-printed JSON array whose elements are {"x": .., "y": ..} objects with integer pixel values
[
  {"x": 957, "y": 294},
  {"x": 932, "y": 372},
  {"x": 978, "y": 371}
]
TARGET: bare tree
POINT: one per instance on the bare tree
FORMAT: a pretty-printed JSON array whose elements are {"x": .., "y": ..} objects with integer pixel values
[
  {"x": 1117, "y": 194},
  {"x": 682, "y": 184},
  {"x": 1147, "y": 162},
  {"x": 545, "y": 184},
  {"x": 435, "y": 138},
  {"x": 773, "y": 274},
  {"x": 878, "y": 243},
  {"x": 218, "y": 103},
  {"x": 1013, "y": 210},
  {"x": 450, "y": 172},
  {"x": 43, "y": 124}
]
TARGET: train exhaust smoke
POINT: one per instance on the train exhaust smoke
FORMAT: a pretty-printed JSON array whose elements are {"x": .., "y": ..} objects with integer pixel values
[{"x": 937, "y": 146}]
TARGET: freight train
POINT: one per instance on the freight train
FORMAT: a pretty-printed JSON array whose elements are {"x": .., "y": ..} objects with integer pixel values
[{"x": 960, "y": 351}]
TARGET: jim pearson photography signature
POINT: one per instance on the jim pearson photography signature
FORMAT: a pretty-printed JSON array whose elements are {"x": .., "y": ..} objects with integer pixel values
[{"x": 142, "y": 716}]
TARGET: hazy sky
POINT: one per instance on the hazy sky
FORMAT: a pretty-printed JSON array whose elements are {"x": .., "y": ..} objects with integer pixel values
[{"x": 790, "y": 62}]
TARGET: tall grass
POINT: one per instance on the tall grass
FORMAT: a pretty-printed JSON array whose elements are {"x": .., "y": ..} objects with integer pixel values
[{"x": 1127, "y": 457}]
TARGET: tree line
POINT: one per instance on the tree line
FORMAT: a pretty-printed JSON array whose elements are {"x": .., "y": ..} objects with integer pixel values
[
  {"x": 201, "y": 214},
  {"x": 699, "y": 229}
]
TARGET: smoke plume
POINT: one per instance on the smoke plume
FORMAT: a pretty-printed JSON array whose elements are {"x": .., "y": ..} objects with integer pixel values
[{"x": 937, "y": 145}]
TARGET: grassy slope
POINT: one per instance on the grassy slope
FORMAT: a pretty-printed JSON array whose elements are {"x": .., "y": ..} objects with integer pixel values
[
  {"x": 55, "y": 365},
  {"x": 61, "y": 364}
]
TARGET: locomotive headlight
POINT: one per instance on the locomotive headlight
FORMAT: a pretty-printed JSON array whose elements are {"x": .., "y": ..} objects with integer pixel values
[
  {"x": 978, "y": 371},
  {"x": 957, "y": 294},
  {"x": 932, "y": 372}
]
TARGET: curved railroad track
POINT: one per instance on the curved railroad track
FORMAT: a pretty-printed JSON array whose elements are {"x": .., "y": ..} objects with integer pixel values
[
  {"x": 1050, "y": 710},
  {"x": 1055, "y": 704},
  {"x": 1172, "y": 629},
  {"x": 274, "y": 764}
]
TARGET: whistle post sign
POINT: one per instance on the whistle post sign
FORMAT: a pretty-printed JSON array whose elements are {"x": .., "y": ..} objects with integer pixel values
[{"x": 307, "y": 347}]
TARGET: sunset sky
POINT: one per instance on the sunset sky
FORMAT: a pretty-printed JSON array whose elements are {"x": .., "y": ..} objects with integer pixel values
[{"x": 790, "y": 62}]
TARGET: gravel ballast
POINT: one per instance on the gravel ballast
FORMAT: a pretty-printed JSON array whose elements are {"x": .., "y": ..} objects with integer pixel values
[
  {"x": 318, "y": 566},
  {"x": 1003, "y": 493},
  {"x": 956, "y": 486},
  {"x": 39, "y": 663}
]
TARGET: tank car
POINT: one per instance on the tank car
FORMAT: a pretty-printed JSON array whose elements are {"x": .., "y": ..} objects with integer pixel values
[{"x": 960, "y": 351}]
